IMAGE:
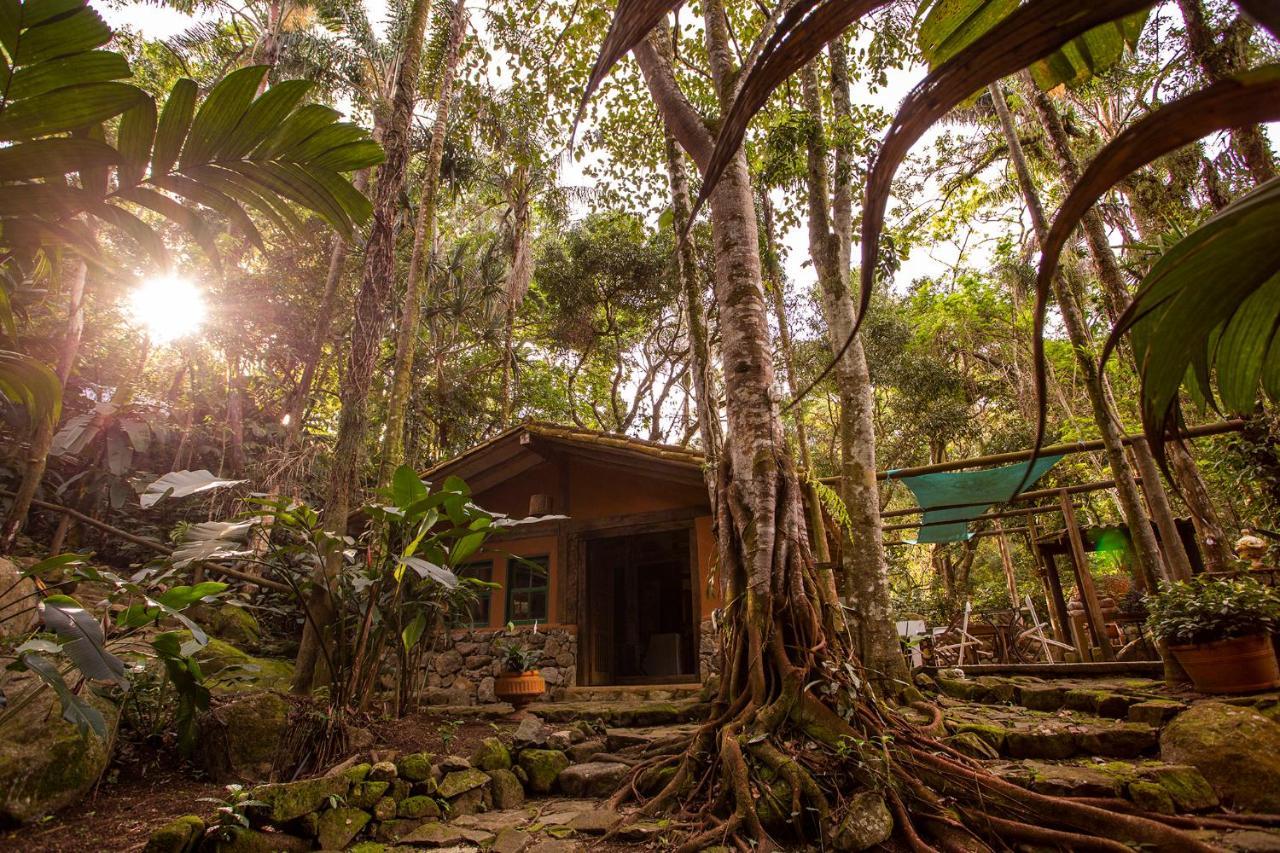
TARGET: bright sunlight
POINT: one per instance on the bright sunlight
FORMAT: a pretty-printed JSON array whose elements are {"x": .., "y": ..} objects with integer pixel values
[{"x": 167, "y": 308}]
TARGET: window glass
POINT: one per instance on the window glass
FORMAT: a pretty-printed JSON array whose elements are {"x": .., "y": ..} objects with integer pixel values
[
  {"x": 528, "y": 583},
  {"x": 480, "y": 608}
]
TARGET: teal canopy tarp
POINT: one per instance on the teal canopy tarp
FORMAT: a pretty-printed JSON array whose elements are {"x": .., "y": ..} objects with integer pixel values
[{"x": 953, "y": 499}]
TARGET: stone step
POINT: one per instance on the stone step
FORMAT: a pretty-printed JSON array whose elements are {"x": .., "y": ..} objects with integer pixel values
[
  {"x": 623, "y": 714},
  {"x": 634, "y": 692},
  {"x": 1138, "y": 700},
  {"x": 1150, "y": 784},
  {"x": 985, "y": 732}
]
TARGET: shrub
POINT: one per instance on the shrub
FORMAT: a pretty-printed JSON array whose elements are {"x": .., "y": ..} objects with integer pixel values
[{"x": 1206, "y": 609}]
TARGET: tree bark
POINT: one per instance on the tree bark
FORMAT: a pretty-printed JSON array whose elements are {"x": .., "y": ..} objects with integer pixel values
[
  {"x": 865, "y": 571},
  {"x": 517, "y": 283},
  {"x": 1220, "y": 55},
  {"x": 423, "y": 243},
  {"x": 367, "y": 332},
  {"x": 1150, "y": 568},
  {"x": 1116, "y": 297},
  {"x": 42, "y": 436}
]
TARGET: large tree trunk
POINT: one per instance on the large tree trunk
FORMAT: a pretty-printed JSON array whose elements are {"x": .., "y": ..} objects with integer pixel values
[
  {"x": 423, "y": 242},
  {"x": 367, "y": 330},
  {"x": 42, "y": 437},
  {"x": 1116, "y": 297},
  {"x": 865, "y": 572},
  {"x": 1150, "y": 568}
]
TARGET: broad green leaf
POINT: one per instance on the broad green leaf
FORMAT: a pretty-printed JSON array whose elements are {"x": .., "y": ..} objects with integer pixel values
[
  {"x": 176, "y": 213},
  {"x": 220, "y": 114},
  {"x": 134, "y": 140},
  {"x": 467, "y": 545},
  {"x": 53, "y": 158},
  {"x": 75, "y": 710},
  {"x": 197, "y": 193},
  {"x": 348, "y": 158},
  {"x": 264, "y": 116},
  {"x": 94, "y": 66},
  {"x": 407, "y": 487},
  {"x": 52, "y": 36},
  {"x": 66, "y": 109},
  {"x": 84, "y": 640},
  {"x": 305, "y": 121},
  {"x": 171, "y": 131},
  {"x": 30, "y": 384},
  {"x": 412, "y": 632}
]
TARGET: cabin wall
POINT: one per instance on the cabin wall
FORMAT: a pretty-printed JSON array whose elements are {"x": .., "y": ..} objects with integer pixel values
[{"x": 592, "y": 495}]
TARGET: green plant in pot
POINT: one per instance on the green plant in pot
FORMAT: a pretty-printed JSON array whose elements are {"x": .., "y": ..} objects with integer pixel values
[
  {"x": 520, "y": 683},
  {"x": 1220, "y": 631}
]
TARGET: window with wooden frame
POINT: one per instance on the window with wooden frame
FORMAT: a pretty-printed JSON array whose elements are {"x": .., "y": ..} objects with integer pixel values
[
  {"x": 481, "y": 570},
  {"x": 528, "y": 589}
]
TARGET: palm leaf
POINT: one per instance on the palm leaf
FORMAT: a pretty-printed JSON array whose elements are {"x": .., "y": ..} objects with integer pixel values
[
  {"x": 84, "y": 642},
  {"x": 28, "y": 383}
]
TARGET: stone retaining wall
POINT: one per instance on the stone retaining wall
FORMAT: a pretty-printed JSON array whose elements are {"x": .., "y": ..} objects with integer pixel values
[{"x": 464, "y": 672}]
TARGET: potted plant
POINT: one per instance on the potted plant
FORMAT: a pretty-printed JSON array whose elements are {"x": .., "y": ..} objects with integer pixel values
[
  {"x": 520, "y": 683},
  {"x": 1219, "y": 629}
]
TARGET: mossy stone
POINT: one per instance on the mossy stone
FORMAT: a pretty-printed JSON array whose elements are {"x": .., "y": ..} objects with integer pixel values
[
  {"x": 506, "y": 789},
  {"x": 358, "y": 773},
  {"x": 238, "y": 839},
  {"x": 1041, "y": 697},
  {"x": 972, "y": 745},
  {"x": 1154, "y": 712},
  {"x": 338, "y": 826},
  {"x": 960, "y": 688},
  {"x": 400, "y": 788},
  {"x": 414, "y": 807},
  {"x": 544, "y": 767},
  {"x": 1058, "y": 743},
  {"x": 232, "y": 670},
  {"x": 1150, "y": 797},
  {"x": 181, "y": 835},
  {"x": 383, "y": 771},
  {"x": 1236, "y": 749},
  {"x": 384, "y": 809},
  {"x": 45, "y": 764},
  {"x": 231, "y": 623},
  {"x": 239, "y": 737},
  {"x": 416, "y": 767},
  {"x": 393, "y": 830},
  {"x": 1190, "y": 791},
  {"x": 999, "y": 691},
  {"x": 1120, "y": 740},
  {"x": 492, "y": 754},
  {"x": 364, "y": 795},
  {"x": 285, "y": 801},
  {"x": 307, "y": 826},
  {"x": 989, "y": 732},
  {"x": 460, "y": 781},
  {"x": 867, "y": 823},
  {"x": 367, "y": 847}
]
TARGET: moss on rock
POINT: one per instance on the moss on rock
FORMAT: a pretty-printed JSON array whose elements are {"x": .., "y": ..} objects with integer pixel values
[
  {"x": 867, "y": 823},
  {"x": 239, "y": 737},
  {"x": 285, "y": 801},
  {"x": 233, "y": 670},
  {"x": 238, "y": 839},
  {"x": 416, "y": 767},
  {"x": 365, "y": 795},
  {"x": 1190, "y": 791},
  {"x": 506, "y": 789},
  {"x": 460, "y": 781},
  {"x": 492, "y": 754},
  {"x": 543, "y": 767},
  {"x": 336, "y": 827},
  {"x": 181, "y": 835},
  {"x": 1236, "y": 749},
  {"x": 418, "y": 806},
  {"x": 45, "y": 763},
  {"x": 1151, "y": 797}
]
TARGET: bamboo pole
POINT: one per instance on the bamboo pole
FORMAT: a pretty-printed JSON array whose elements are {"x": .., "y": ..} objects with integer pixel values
[{"x": 1084, "y": 579}]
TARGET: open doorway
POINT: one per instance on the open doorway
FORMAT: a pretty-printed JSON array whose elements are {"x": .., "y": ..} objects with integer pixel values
[{"x": 640, "y": 626}]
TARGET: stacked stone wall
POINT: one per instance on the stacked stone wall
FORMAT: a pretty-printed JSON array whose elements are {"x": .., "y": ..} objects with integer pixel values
[{"x": 463, "y": 673}]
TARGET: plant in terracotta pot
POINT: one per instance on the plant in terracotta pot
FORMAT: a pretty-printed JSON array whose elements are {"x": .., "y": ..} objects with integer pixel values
[
  {"x": 1220, "y": 630},
  {"x": 520, "y": 683}
]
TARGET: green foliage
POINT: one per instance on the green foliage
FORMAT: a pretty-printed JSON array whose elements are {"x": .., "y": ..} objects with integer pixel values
[
  {"x": 1205, "y": 609},
  {"x": 516, "y": 656}
]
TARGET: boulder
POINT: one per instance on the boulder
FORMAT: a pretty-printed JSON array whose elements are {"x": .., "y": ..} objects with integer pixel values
[
  {"x": 418, "y": 807},
  {"x": 531, "y": 732},
  {"x": 228, "y": 621},
  {"x": 544, "y": 767},
  {"x": 506, "y": 789},
  {"x": 415, "y": 767},
  {"x": 470, "y": 802},
  {"x": 595, "y": 779},
  {"x": 284, "y": 801},
  {"x": 337, "y": 827},
  {"x": 231, "y": 670},
  {"x": 357, "y": 773},
  {"x": 384, "y": 809},
  {"x": 17, "y": 601},
  {"x": 364, "y": 795},
  {"x": 585, "y": 751},
  {"x": 238, "y": 839},
  {"x": 1190, "y": 791},
  {"x": 1236, "y": 749},
  {"x": 383, "y": 771},
  {"x": 239, "y": 736},
  {"x": 181, "y": 835},
  {"x": 460, "y": 781},
  {"x": 45, "y": 763},
  {"x": 866, "y": 824},
  {"x": 492, "y": 754}
]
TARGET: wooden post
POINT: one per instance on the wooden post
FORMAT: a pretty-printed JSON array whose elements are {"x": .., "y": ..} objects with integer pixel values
[
  {"x": 1006, "y": 561},
  {"x": 1084, "y": 580},
  {"x": 1052, "y": 589}
]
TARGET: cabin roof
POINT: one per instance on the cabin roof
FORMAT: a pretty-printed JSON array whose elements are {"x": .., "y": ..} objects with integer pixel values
[{"x": 530, "y": 443}]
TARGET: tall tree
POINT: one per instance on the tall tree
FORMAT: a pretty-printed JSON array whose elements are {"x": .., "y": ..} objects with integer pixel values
[{"x": 368, "y": 328}]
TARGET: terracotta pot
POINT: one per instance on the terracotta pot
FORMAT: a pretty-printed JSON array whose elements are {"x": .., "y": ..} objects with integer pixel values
[
  {"x": 519, "y": 688},
  {"x": 1238, "y": 665}
]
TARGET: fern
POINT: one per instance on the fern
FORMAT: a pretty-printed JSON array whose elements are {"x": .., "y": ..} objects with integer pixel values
[{"x": 834, "y": 505}]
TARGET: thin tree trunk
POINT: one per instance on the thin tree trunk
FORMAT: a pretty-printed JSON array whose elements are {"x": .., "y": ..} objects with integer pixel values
[
  {"x": 42, "y": 437},
  {"x": 1150, "y": 568},
  {"x": 1116, "y": 297},
  {"x": 339, "y": 248},
  {"x": 235, "y": 411},
  {"x": 517, "y": 283},
  {"x": 773, "y": 285},
  {"x": 423, "y": 242},
  {"x": 368, "y": 328},
  {"x": 695, "y": 314},
  {"x": 865, "y": 571}
]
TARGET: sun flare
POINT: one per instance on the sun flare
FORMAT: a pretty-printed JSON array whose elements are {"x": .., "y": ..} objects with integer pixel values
[{"x": 167, "y": 308}]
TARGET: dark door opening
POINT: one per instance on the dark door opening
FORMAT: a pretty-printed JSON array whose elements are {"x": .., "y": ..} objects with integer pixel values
[{"x": 640, "y": 624}]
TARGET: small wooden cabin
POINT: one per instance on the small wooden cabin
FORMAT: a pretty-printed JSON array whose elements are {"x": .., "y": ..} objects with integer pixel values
[{"x": 617, "y": 577}]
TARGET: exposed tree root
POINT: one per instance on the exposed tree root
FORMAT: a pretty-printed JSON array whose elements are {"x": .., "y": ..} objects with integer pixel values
[{"x": 796, "y": 741}]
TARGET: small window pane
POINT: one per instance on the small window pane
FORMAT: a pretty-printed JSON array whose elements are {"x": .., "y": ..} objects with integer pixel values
[
  {"x": 480, "y": 608},
  {"x": 527, "y": 587}
]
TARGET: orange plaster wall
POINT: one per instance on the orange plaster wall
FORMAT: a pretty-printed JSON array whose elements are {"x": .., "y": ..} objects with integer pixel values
[{"x": 594, "y": 491}]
